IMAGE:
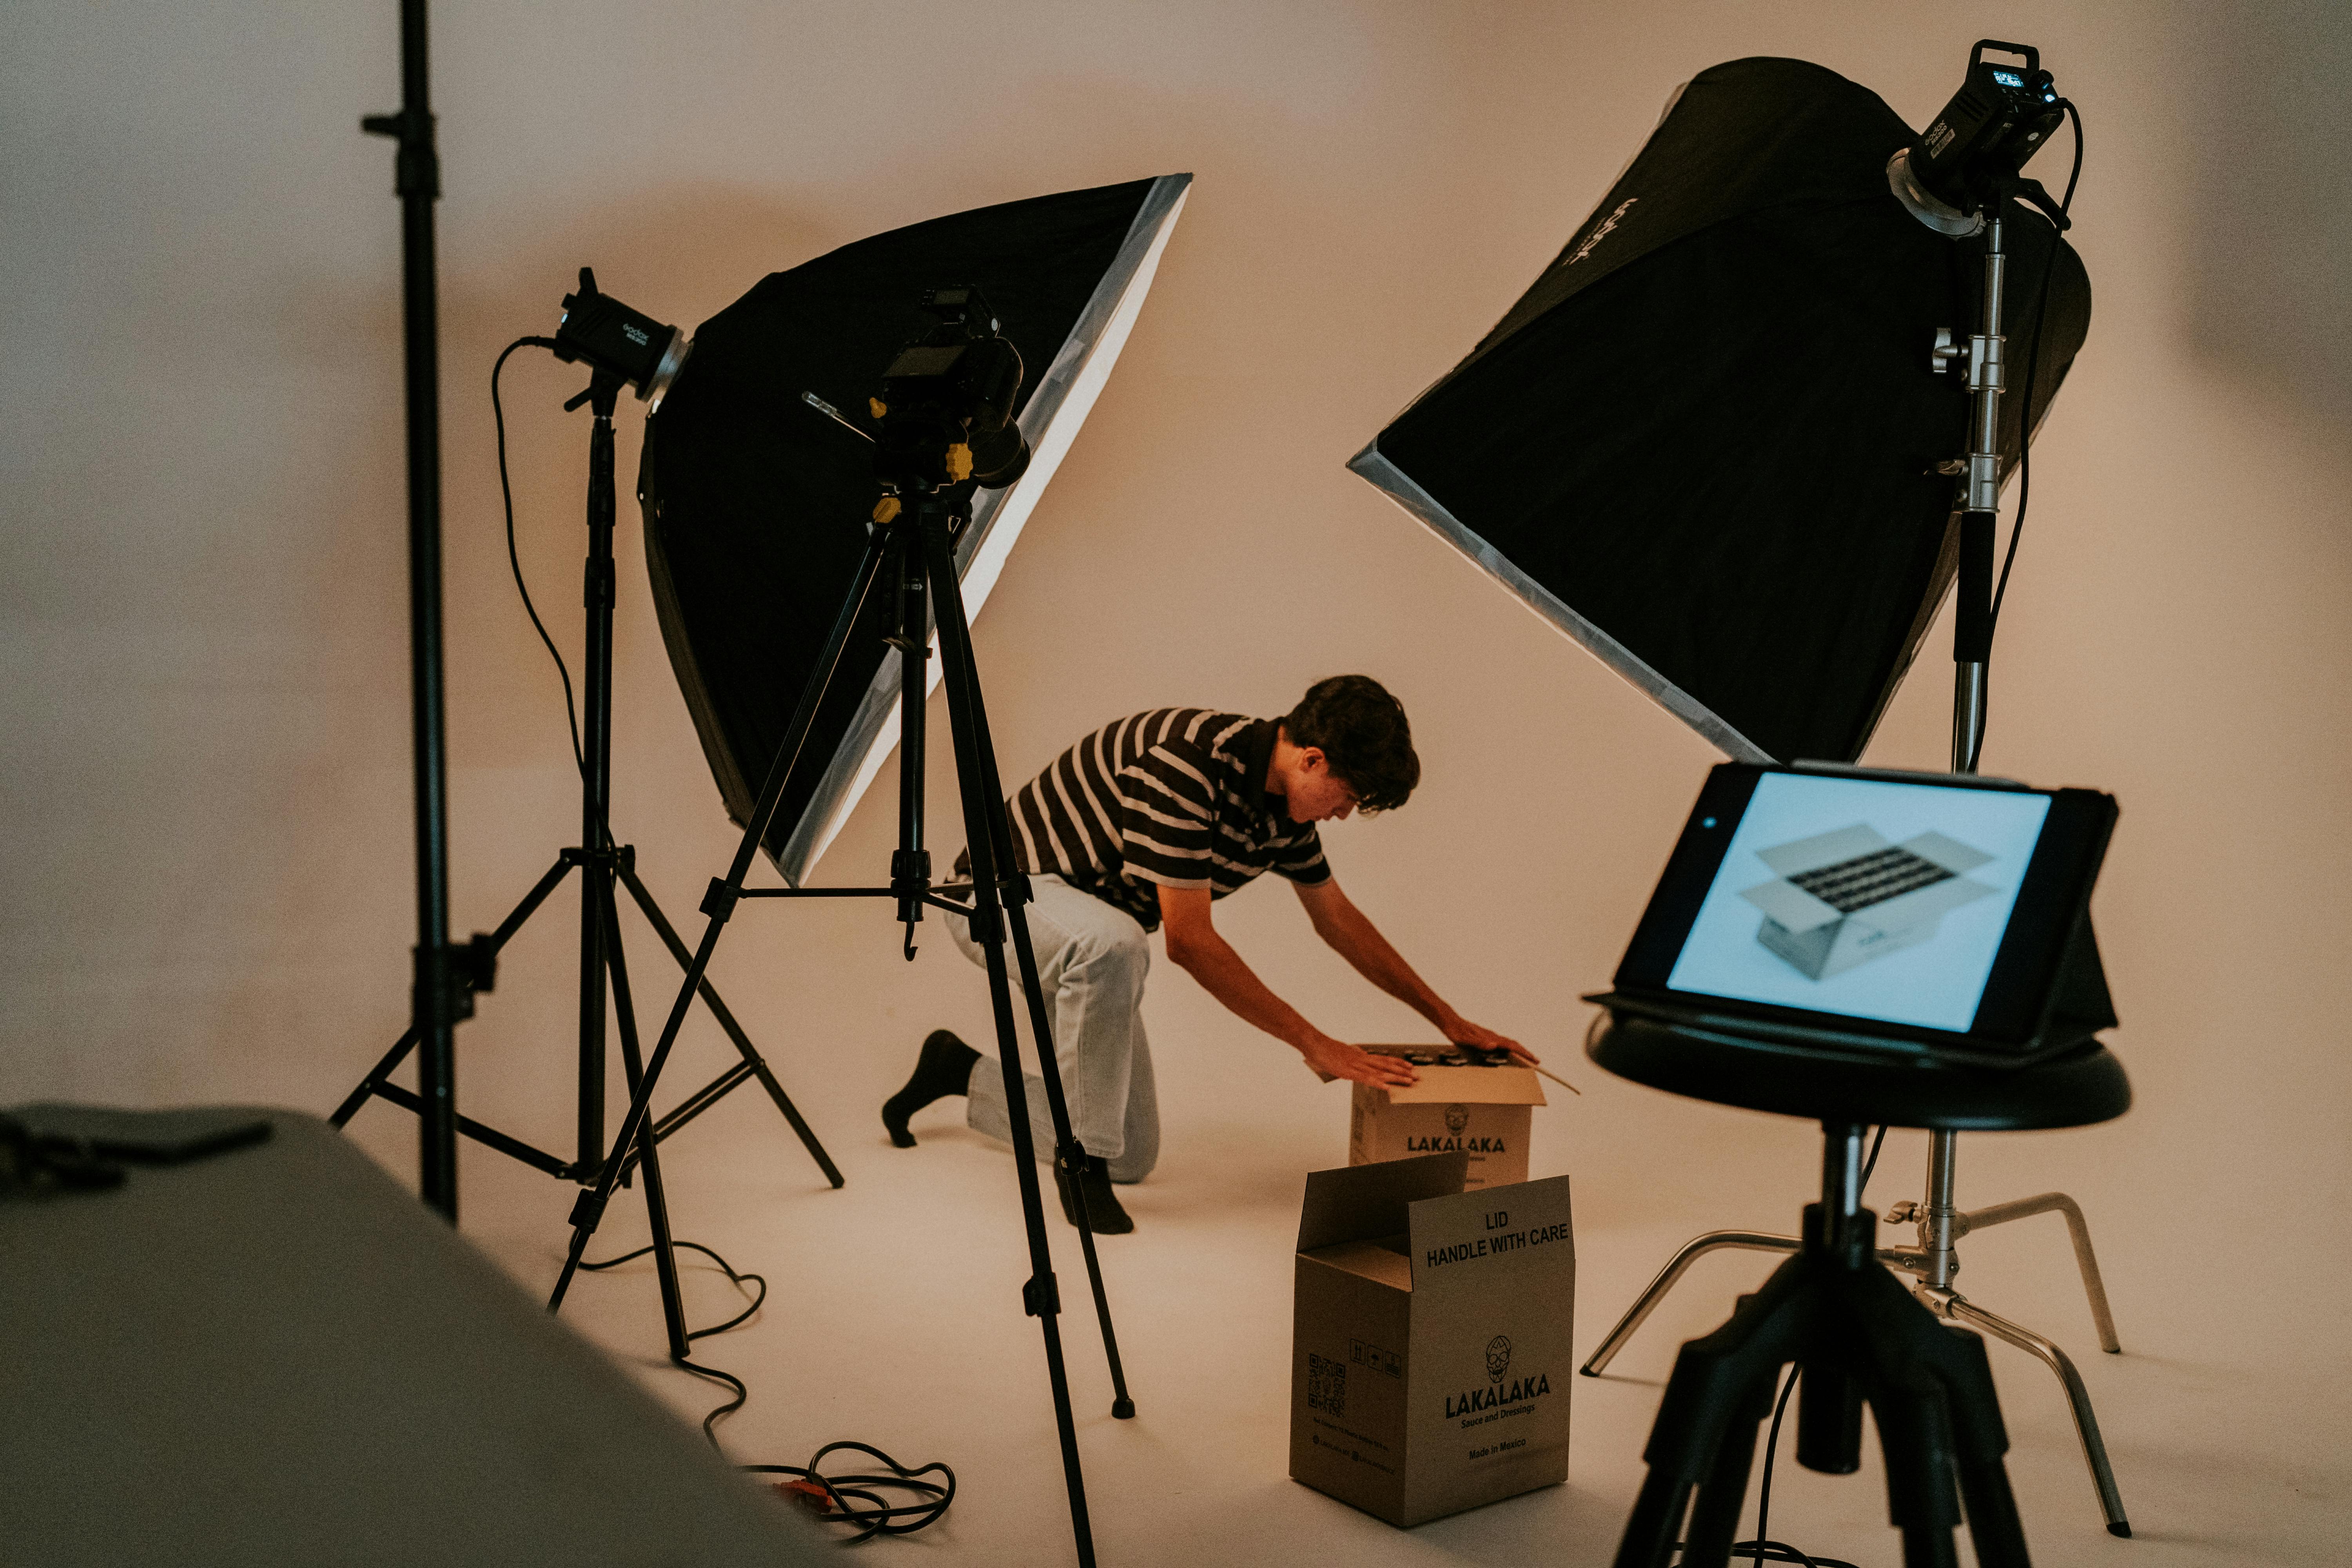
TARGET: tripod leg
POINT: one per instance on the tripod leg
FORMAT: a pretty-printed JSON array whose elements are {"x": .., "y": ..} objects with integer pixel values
[
  {"x": 1069, "y": 1154},
  {"x": 2079, "y": 1232},
  {"x": 1715, "y": 1514},
  {"x": 367, "y": 1086},
  {"x": 1040, "y": 1296},
  {"x": 1979, "y": 1443},
  {"x": 1932, "y": 1397},
  {"x": 1677, "y": 1266},
  {"x": 595, "y": 886},
  {"x": 657, "y": 1205},
  {"x": 1719, "y": 1383},
  {"x": 1656, "y": 1523},
  {"x": 407, "y": 1042},
  {"x": 718, "y": 905},
  {"x": 752, "y": 1057},
  {"x": 2078, "y": 1399},
  {"x": 1913, "y": 1442}
]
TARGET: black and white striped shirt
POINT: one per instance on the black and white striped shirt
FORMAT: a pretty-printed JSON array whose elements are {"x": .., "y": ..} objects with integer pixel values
[{"x": 1175, "y": 797}]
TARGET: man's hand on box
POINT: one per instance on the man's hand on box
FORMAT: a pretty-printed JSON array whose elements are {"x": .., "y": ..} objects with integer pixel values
[
  {"x": 1463, "y": 1032},
  {"x": 1336, "y": 1058}
]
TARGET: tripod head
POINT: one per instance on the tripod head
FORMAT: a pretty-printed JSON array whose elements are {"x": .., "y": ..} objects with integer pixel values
[{"x": 946, "y": 405}]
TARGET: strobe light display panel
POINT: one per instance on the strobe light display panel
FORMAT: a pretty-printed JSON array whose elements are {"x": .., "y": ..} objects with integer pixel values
[{"x": 1863, "y": 898}]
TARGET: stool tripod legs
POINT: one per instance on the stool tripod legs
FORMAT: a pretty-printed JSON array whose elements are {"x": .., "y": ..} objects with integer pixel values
[
  {"x": 1856, "y": 1335},
  {"x": 1942, "y": 1299}
]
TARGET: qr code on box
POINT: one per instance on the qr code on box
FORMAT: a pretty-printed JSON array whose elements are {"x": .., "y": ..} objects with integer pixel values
[{"x": 1326, "y": 1385}]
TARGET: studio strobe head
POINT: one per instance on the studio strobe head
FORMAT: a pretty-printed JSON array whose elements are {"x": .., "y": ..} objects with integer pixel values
[
  {"x": 2000, "y": 118},
  {"x": 630, "y": 346}
]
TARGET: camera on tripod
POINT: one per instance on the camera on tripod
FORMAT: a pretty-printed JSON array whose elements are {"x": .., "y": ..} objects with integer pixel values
[{"x": 947, "y": 401}]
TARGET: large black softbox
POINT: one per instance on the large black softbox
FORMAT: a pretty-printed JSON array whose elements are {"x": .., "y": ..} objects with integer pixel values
[
  {"x": 1702, "y": 444},
  {"x": 755, "y": 504}
]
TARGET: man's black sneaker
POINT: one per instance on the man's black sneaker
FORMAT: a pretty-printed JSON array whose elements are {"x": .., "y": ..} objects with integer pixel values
[{"x": 1104, "y": 1215}]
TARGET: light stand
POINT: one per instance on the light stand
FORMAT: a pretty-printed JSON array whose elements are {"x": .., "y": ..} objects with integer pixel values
[
  {"x": 1940, "y": 1222},
  {"x": 600, "y": 863},
  {"x": 910, "y": 548},
  {"x": 445, "y": 977}
]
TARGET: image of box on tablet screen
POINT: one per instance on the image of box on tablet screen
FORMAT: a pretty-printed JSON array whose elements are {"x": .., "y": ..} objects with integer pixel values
[
  {"x": 1842, "y": 899},
  {"x": 1864, "y": 897}
]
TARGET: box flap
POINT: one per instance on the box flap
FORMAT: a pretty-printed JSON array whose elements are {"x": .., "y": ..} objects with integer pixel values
[
  {"x": 1381, "y": 1261},
  {"x": 1357, "y": 1203},
  {"x": 1469, "y": 1086},
  {"x": 1471, "y": 1241},
  {"x": 1793, "y": 907}
]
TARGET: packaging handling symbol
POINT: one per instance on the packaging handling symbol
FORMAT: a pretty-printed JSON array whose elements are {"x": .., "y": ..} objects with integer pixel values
[{"x": 1498, "y": 1358}]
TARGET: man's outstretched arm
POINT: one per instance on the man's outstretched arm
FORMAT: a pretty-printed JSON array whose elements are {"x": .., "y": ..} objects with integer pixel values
[
  {"x": 1195, "y": 947},
  {"x": 1347, "y": 930}
]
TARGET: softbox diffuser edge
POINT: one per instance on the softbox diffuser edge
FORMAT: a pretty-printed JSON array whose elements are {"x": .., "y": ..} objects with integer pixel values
[{"x": 755, "y": 505}]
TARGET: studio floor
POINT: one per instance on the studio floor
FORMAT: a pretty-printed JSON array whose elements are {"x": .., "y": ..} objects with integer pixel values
[{"x": 893, "y": 1319}]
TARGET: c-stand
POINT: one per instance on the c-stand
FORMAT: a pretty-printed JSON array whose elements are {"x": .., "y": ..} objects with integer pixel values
[
  {"x": 910, "y": 548},
  {"x": 600, "y": 863},
  {"x": 1940, "y": 1222}
]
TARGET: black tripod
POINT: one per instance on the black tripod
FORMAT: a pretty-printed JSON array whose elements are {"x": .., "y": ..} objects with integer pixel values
[
  {"x": 600, "y": 863},
  {"x": 1855, "y": 1334},
  {"x": 911, "y": 551}
]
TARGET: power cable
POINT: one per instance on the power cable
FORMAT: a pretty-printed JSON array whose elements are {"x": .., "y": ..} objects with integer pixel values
[
  {"x": 514, "y": 561},
  {"x": 2032, "y": 366}
]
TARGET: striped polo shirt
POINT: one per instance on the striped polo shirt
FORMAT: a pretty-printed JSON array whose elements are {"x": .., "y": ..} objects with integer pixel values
[{"x": 1175, "y": 797}]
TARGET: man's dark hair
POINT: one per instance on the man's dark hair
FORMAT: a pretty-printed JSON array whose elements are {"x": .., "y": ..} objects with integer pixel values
[{"x": 1362, "y": 731}]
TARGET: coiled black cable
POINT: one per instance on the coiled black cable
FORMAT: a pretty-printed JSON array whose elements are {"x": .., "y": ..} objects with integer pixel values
[
  {"x": 853, "y": 1500},
  {"x": 715, "y": 1374}
]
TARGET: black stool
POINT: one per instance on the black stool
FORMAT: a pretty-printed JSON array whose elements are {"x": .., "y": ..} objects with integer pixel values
[{"x": 1855, "y": 1333}]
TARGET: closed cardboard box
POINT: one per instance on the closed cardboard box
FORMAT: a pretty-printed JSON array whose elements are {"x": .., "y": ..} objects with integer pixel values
[
  {"x": 1483, "y": 1111},
  {"x": 1431, "y": 1358}
]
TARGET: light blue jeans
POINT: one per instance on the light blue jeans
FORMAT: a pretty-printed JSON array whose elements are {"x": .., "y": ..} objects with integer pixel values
[{"x": 1091, "y": 963}]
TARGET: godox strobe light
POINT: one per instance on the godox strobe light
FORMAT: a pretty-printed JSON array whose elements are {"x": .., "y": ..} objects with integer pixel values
[{"x": 634, "y": 350}]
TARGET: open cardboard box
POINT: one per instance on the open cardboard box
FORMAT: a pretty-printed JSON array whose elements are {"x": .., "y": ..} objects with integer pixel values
[
  {"x": 1431, "y": 1365},
  {"x": 1483, "y": 1113}
]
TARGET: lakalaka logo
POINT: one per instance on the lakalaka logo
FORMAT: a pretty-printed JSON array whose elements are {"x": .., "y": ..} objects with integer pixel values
[
  {"x": 1498, "y": 1395},
  {"x": 1457, "y": 1117}
]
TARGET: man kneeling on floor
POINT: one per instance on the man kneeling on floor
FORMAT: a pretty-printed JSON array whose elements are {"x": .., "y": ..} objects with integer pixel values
[{"x": 1148, "y": 821}]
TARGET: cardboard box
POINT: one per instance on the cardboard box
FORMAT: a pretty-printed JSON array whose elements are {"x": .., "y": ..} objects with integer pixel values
[
  {"x": 1842, "y": 898},
  {"x": 1483, "y": 1111},
  {"x": 1431, "y": 1366}
]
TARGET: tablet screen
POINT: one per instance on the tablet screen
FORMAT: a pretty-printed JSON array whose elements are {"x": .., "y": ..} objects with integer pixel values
[{"x": 1865, "y": 897}]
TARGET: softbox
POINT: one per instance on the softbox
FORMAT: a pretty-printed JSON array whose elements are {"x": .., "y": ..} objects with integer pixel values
[
  {"x": 1703, "y": 445},
  {"x": 756, "y": 504}
]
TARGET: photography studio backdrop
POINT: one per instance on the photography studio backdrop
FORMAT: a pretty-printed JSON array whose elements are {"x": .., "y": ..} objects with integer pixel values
[{"x": 204, "y": 687}]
